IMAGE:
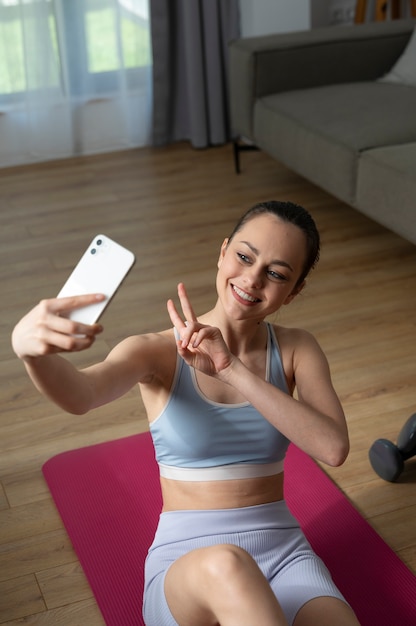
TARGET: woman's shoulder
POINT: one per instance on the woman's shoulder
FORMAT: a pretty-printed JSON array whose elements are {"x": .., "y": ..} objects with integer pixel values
[
  {"x": 300, "y": 353},
  {"x": 292, "y": 336},
  {"x": 296, "y": 342},
  {"x": 298, "y": 346}
]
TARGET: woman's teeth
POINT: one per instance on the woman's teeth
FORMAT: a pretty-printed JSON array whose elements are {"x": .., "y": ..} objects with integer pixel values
[{"x": 244, "y": 295}]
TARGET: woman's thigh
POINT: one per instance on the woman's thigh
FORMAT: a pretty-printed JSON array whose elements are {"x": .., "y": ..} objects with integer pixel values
[
  {"x": 186, "y": 589},
  {"x": 304, "y": 579},
  {"x": 326, "y": 612}
]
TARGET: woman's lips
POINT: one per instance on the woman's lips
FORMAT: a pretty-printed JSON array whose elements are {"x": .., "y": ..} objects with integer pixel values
[{"x": 244, "y": 296}]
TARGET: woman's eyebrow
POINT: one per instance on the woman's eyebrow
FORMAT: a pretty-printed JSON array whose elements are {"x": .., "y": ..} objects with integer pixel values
[{"x": 274, "y": 262}]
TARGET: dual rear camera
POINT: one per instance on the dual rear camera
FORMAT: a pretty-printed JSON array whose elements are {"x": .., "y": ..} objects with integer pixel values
[{"x": 97, "y": 243}]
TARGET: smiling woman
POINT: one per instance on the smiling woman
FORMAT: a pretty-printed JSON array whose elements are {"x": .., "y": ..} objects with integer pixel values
[
  {"x": 75, "y": 77},
  {"x": 218, "y": 392}
]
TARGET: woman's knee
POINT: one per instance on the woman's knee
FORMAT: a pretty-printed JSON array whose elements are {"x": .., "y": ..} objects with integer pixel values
[
  {"x": 198, "y": 584},
  {"x": 226, "y": 562},
  {"x": 208, "y": 585},
  {"x": 213, "y": 564}
]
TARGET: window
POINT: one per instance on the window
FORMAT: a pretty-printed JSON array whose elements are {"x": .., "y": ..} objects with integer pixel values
[
  {"x": 20, "y": 31},
  {"x": 102, "y": 44},
  {"x": 75, "y": 77},
  {"x": 74, "y": 46}
]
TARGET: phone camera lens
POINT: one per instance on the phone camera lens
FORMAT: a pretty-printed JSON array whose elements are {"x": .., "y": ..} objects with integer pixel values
[
  {"x": 99, "y": 242},
  {"x": 93, "y": 251}
]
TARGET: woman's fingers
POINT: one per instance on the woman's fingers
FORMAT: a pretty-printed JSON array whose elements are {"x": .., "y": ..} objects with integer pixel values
[
  {"x": 54, "y": 341},
  {"x": 44, "y": 330},
  {"x": 201, "y": 346},
  {"x": 176, "y": 319},
  {"x": 186, "y": 304},
  {"x": 186, "y": 325},
  {"x": 53, "y": 315},
  {"x": 60, "y": 306},
  {"x": 184, "y": 329},
  {"x": 66, "y": 326}
]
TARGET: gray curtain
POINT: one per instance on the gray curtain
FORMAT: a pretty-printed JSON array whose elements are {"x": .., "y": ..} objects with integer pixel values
[{"x": 190, "y": 70}]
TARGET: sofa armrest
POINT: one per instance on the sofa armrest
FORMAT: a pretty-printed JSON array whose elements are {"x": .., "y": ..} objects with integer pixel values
[{"x": 270, "y": 64}]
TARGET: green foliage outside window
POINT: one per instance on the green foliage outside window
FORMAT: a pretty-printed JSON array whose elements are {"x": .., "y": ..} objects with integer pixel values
[{"x": 101, "y": 44}]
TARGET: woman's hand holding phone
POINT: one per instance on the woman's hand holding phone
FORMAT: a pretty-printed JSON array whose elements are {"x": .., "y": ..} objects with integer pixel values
[
  {"x": 68, "y": 323},
  {"x": 46, "y": 329}
]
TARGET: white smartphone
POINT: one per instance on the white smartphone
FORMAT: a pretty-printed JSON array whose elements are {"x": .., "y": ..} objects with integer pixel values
[{"x": 101, "y": 269}]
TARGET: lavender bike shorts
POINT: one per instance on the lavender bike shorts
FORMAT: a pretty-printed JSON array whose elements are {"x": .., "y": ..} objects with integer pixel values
[{"x": 268, "y": 532}]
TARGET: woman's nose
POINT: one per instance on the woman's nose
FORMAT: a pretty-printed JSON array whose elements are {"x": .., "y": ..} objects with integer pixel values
[{"x": 254, "y": 277}]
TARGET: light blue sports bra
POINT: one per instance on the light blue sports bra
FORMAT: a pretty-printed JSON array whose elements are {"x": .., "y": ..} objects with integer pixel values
[{"x": 196, "y": 439}]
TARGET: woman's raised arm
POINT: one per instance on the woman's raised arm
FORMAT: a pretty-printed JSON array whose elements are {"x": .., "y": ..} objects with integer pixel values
[{"x": 43, "y": 333}]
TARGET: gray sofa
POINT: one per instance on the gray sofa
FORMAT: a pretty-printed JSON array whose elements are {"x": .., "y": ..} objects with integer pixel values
[{"x": 313, "y": 101}]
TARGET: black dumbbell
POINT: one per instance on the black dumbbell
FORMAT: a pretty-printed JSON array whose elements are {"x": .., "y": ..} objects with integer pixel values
[{"x": 387, "y": 459}]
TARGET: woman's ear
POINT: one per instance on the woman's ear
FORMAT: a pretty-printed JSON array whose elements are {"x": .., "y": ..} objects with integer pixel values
[
  {"x": 222, "y": 251},
  {"x": 295, "y": 292}
]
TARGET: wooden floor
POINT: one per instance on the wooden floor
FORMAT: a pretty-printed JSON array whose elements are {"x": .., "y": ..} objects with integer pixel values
[{"x": 173, "y": 207}]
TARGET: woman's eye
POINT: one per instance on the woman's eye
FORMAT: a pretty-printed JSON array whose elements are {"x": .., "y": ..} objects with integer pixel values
[
  {"x": 276, "y": 275},
  {"x": 243, "y": 257}
]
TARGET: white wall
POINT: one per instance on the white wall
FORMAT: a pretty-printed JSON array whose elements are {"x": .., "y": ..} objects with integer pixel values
[{"x": 261, "y": 17}]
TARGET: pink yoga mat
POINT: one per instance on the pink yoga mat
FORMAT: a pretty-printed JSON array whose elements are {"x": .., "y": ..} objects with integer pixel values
[{"x": 109, "y": 499}]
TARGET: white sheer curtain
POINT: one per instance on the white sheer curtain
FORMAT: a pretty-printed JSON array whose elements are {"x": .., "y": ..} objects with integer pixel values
[{"x": 75, "y": 78}]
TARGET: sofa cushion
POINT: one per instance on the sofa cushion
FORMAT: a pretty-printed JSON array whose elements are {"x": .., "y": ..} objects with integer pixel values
[
  {"x": 386, "y": 187},
  {"x": 404, "y": 70},
  {"x": 320, "y": 132}
]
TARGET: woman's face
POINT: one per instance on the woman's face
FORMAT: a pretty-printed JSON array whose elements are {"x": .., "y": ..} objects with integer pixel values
[{"x": 259, "y": 268}]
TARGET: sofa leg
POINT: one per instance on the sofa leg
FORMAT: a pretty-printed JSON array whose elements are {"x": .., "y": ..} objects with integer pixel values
[{"x": 238, "y": 147}]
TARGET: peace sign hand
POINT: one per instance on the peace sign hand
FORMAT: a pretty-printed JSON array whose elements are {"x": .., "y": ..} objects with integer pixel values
[{"x": 201, "y": 346}]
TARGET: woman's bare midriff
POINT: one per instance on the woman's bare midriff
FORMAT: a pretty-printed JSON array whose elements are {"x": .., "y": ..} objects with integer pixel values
[{"x": 220, "y": 494}]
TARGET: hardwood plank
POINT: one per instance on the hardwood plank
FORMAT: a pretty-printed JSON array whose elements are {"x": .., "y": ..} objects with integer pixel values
[
  {"x": 25, "y": 487},
  {"x": 63, "y": 585},
  {"x": 375, "y": 498},
  {"x": 20, "y": 597},
  {"x": 4, "y": 503},
  {"x": 30, "y": 520},
  {"x": 408, "y": 556},
  {"x": 394, "y": 527},
  {"x": 84, "y": 612},
  {"x": 35, "y": 553}
]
